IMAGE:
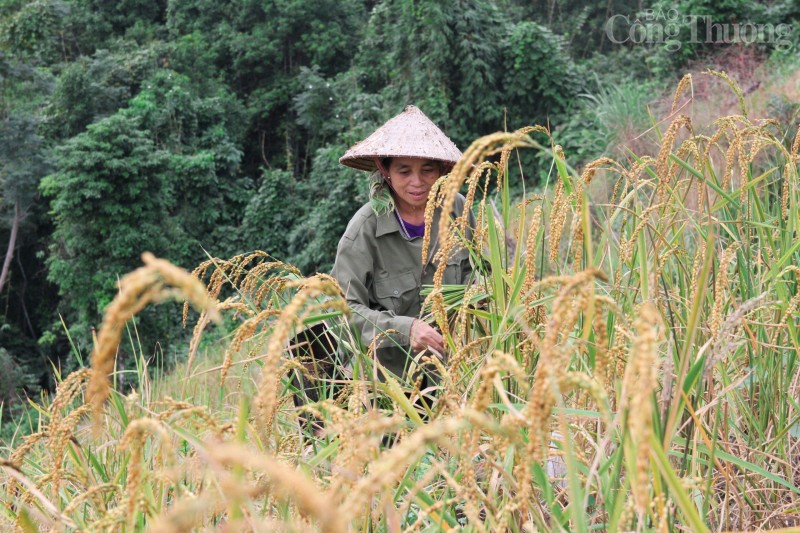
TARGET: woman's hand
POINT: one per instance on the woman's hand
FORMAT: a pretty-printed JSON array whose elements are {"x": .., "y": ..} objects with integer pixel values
[{"x": 424, "y": 337}]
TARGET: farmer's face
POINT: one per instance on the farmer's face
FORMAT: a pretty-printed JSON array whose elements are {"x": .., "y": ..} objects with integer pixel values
[{"x": 412, "y": 179}]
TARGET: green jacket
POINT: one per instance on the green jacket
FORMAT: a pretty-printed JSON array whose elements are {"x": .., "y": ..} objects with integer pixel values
[{"x": 381, "y": 273}]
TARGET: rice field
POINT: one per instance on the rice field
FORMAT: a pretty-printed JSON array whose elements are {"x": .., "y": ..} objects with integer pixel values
[{"x": 625, "y": 363}]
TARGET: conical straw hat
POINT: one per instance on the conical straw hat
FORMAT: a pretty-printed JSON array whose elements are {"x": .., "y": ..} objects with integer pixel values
[{"x": 409, "y": 134}]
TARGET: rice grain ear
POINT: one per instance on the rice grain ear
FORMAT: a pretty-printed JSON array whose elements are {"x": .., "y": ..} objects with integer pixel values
[
  {"x": 733, "y": 85},
  {"x": 289, "y": 318},
  {"x": 686, "y": 82},
  {"x": 720, "y": 287},
  {"x": 287, "y": 484},
  {"x": 155, "y": 282},
  {"x": 641, "y": 380},
  {"x": 133, "y": 439}
]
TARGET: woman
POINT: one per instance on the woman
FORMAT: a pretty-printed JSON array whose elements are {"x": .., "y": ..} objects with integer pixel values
[{"x": 379, "y": 259}]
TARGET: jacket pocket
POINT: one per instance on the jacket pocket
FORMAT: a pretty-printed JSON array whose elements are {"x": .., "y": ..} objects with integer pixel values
[{"x": 397, "y": 293}]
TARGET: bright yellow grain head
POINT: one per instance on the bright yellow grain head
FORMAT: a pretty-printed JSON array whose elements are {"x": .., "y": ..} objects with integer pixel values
[
  {"x": 641, "y": 380},
  {"x": 735, "y": 86},
  {"x": 157, "y": 280},
  {"x": 686, "y": 82},
  {"x": 663, "y": 159},
  {"x": 291, "y": 316},
  {"x": 558, "y": 216},
  {"x": 530, "y": 256},
  {"x": 785, "y": 192},
  {"x": 720, "y": 286},
  {"x": 133, "y": 440}
]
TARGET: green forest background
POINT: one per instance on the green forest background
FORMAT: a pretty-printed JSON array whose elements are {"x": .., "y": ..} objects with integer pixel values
[{"x": 199, "y": 127}]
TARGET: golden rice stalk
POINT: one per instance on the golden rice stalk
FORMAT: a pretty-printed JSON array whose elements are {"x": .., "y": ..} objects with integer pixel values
[
  {"x": 558, "y": 216},
  {"x": 18, "y": 455},
  {"x": 686, "y": 81},
  {"x": 430, "y": 208},
  {"x": 796, "y": 146},
  {"x": 580, "y": 380},
  {"x": 553, "y": 360},
  {"x": 33, "y": 492},
  {"x": 473, "y": 156},
  {"x": 601, "y": 358},
  {"x": 591, "y": 169},
  {"x": 290, "y": 317},
  {"x": 530, "y": 256},
  {"x": 390, "y": 466},
  {"x": 58, "y": 431},
  {"x": 720, "y": 286},
  {"x": 626, "y": 243},
  {"x": 359, "y": 441},
  {"x": 133, "y": 440},
  {"x": 472, "y": 186},
  {"x": 91, "y": 494},
  {"x": 148, "y": 284},
  {"x": 285, "y": 483},
  {"x": 688, "y": 147},
  {"x": 735, "y": 86},
  {"x": 59, "y": 436},
  {"x": 641, "y": 380},
  {"x": 664, "y": 153},
  {"x": 244, "y": 332}
]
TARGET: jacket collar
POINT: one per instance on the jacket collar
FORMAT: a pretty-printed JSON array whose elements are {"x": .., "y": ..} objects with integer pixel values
[{"x": 387, "y": 223}]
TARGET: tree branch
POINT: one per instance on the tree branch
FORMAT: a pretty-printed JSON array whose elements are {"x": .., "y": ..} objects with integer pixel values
[{"x": 12, "y": 242}]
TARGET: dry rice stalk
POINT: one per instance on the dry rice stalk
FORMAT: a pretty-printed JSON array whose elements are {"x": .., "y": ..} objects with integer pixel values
[
  {"x": 243, "y": 333},
  {"x": 91, "y": 494},
  {"x": 148, "y": 284},
  {"x": 133, "y": 439},
  {"x": 686, "y": 81},
  {"x": 472, "y": 186},
  {"x": 59, "y": 436},
  {"x": 290, "y": 317},
  {"x": 719, "y": 287},
  {"x": 34, "y": 493},
  {"x": 601, "y": 358},
  {"x": 528, "y": 295},
  {"x": 787, "y": 175},
  {"x": 359, "y": 441},
  {"x": 796, "y": 146},
  {"x": 430, "y": 208},
  {"x": 641, "y": 379},
  {"x": 552, "y": 361},
  {"x": 58, "y": 430},
  {"x": 580, "y": 380},
  {"x": 663, "y": 159},
  {"x": 285, "y": 483},
  {"x": 473, "y": 156},
  {"x": 735, "y": 86},
  {"x": 391, "y": 465},
  {"x": 558, "y": 216},
  {"x": 626, "y": 243}
]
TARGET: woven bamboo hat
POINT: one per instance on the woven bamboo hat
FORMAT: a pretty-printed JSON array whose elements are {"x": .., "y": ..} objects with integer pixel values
[{"x": 409, "y": 134}]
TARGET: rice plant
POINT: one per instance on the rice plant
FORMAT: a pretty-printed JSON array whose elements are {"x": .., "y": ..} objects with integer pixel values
[{"x": 624, "y": 363}]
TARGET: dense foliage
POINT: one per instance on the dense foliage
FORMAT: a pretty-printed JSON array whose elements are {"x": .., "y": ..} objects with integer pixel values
[{"x": 188, "y": 128}]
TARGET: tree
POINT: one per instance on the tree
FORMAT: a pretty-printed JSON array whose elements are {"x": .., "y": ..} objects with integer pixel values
[
  {"x": 110, "y": 199},
  {"x": 22, "y": 164}
]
